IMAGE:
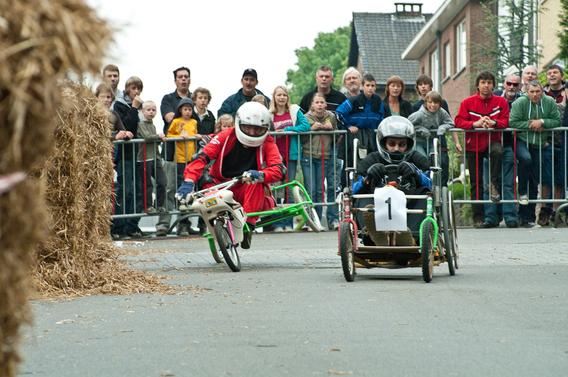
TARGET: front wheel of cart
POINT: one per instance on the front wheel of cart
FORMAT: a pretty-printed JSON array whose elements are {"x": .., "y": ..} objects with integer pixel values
[
  {"x": 427, "y": 251},
  {"x": 346, "y": 251},
  {"x": 310, "y": 214},
  {"x": 226, "y": 245}
]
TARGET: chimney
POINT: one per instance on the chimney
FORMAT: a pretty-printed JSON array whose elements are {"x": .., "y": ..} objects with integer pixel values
[{"x": 408, "y": 9}]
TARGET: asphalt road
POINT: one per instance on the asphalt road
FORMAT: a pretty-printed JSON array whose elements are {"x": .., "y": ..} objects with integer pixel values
[{"x": 290, "y": 312}]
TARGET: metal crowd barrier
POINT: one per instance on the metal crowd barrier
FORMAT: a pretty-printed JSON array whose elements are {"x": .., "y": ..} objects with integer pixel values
[{"x": 326, "y": 175}]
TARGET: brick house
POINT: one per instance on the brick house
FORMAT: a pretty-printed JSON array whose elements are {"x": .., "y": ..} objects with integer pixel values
[
  {"x": 378, "y": 39},
  {"x": 445, "y": 49}
]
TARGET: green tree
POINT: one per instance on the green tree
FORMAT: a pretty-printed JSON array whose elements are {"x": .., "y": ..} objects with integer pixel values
[
  {"x": 563, "y": 32},
  {"x": 330, "y": 49},
  {"x": 509, "y": 40}
]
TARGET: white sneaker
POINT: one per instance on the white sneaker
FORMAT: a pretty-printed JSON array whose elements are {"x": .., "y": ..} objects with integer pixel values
[
  {"x": 278, "y": 229},
  {"x": 288, "y": 228},
  {"x": 524, "y": 200},
  {"x": 334, "y": 225}
]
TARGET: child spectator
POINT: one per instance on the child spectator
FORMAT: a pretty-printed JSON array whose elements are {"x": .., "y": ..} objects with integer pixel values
[
  {"x": 105, "y": 96},
  {"x": 260, "y": 99},
  {"x": 318, "y": 150},
  {"x": 201, "y": 98},
  {"x": 150, "y": 166},
  {"x": 127, "y": 109},
  {"x": 430, "y": 117},
  {"x": 184, "y": 126}
]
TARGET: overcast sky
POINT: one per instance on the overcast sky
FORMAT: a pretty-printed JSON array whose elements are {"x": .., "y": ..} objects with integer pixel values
[{"x": 217, "y": 40}]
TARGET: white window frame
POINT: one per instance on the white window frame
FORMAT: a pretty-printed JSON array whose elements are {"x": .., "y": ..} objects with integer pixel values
[
  {"x": 434, "y": 69},
  {"x": 447, "y": 60},
  {"x": 461, "y": 46}
]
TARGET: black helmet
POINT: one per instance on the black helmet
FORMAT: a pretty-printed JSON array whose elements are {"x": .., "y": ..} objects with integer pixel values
[{"x": 397, "y": 127}]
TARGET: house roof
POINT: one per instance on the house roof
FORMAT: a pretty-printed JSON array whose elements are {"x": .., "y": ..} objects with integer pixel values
[
  {"x": 378, "y": 39},
  {"x": 438, "y": 23}
]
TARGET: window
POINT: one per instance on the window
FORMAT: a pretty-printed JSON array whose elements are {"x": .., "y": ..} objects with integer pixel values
[
  {"x": 447, "y": 60},
  {"x": 461, "y": 46},
  {"x": 434, "y": 67}
]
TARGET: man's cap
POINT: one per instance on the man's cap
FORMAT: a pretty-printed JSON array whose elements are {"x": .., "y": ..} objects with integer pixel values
[{"x": 250, "y": 72}]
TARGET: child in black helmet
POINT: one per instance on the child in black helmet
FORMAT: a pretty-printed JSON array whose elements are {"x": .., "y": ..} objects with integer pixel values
[{"x": 395, "y": 140}]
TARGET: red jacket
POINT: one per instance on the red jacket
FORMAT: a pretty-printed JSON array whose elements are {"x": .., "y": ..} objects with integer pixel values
[
  {"x": 268, "y": 158},
  {"x": 472, "y": 109}
]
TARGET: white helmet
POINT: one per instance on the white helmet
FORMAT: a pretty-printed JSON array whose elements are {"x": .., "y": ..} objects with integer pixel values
[
  {"x": 397, "y": 127},
  {"x": 251, "y": 124}
]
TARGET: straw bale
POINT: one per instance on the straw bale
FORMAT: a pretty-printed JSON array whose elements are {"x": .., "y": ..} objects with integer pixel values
[
  {"x": 78, "y": 258},
  {"x": 41, "y": 42}
]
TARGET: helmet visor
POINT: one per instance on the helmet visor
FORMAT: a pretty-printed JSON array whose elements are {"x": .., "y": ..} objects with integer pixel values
[{"x": 253, "y": 130}]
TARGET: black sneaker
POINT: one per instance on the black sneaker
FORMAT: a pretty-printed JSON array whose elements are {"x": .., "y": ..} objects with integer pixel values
[
  {"x": 544, "y": 216},
  {"x": 512, "y": 224},
  {"x": 247, "y": 237},
  {"x": 526, "y": 224}
]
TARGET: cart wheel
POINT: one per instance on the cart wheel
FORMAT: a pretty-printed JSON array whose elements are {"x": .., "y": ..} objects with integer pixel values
[
  {"x": 213, "y": 247},
  {"x": 310, "y": 213},
  {"x": 346, "y": 251},
  {"x": 426, "y": 249},
  {"x": 448, "y": 234},
  {"x": 228, "y": 249},
  {"x": 453, "y": 230}
]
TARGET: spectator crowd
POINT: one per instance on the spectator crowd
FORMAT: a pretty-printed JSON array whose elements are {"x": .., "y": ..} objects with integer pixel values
[{"x": 512, "y": 148}]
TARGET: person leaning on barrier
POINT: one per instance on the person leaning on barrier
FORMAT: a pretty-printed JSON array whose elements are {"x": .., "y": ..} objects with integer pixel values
[
  {"x": 557, "y": 147},
  {"x": 245, "y": 150},
  {"x": 532, "y": 114},
  {"x": 396, "y": 141},
  {"x": 127, "y": 108},
  {"x": 317, "y": 150},
  {"x": 483, "y": 111}
]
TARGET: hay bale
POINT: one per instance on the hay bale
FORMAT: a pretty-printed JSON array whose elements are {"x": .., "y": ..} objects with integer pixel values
[
  {"x": 40, "y": 43},
  {"x": 78, "y": 257}
]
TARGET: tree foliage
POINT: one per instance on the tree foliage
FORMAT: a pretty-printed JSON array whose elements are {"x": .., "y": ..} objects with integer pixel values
[
  {"x": 330, "y": 49},
  {"x": 509, "y": 43},
  {"x": 563, "y": 32}
]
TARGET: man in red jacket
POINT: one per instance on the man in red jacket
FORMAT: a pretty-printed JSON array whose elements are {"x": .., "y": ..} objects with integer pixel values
[
  {"x": 248, "y": 150},
  {"x": 478, "y": 114}
]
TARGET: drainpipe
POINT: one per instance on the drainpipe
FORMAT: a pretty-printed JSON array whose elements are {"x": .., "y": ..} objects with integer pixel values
[{"x": 439, "y": 49}]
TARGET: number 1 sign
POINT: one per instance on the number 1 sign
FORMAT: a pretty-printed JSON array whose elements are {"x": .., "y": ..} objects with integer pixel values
[{"x": 390, "y": 209}]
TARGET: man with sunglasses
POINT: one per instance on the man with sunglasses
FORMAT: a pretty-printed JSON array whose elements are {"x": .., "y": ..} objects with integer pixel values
[{"x": 244, "y": 150}]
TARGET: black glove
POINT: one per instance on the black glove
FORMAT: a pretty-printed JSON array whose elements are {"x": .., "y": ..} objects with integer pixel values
[
  {"x": 376, "y": 173},
  {"x": 408, "y": 174}
]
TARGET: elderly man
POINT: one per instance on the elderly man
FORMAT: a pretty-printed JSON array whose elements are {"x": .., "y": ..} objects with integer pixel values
[
  {"x": 352, "y": 82},
  {"x": 529, "y": 74},
  {"x": 532, "y": 113},
  {"x": 249, "y": 81}
]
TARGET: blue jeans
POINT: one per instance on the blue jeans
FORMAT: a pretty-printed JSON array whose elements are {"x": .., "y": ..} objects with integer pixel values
[
  {"x": 508, "y": 211},
  {"x": 312, "y": 170},
  {"x": 529, "y": 157}
]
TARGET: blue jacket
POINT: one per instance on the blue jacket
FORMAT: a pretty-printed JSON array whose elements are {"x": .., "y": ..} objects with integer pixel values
[
  {"x": 234, "y": 101},
  {"x": 362, "y": 112}
]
